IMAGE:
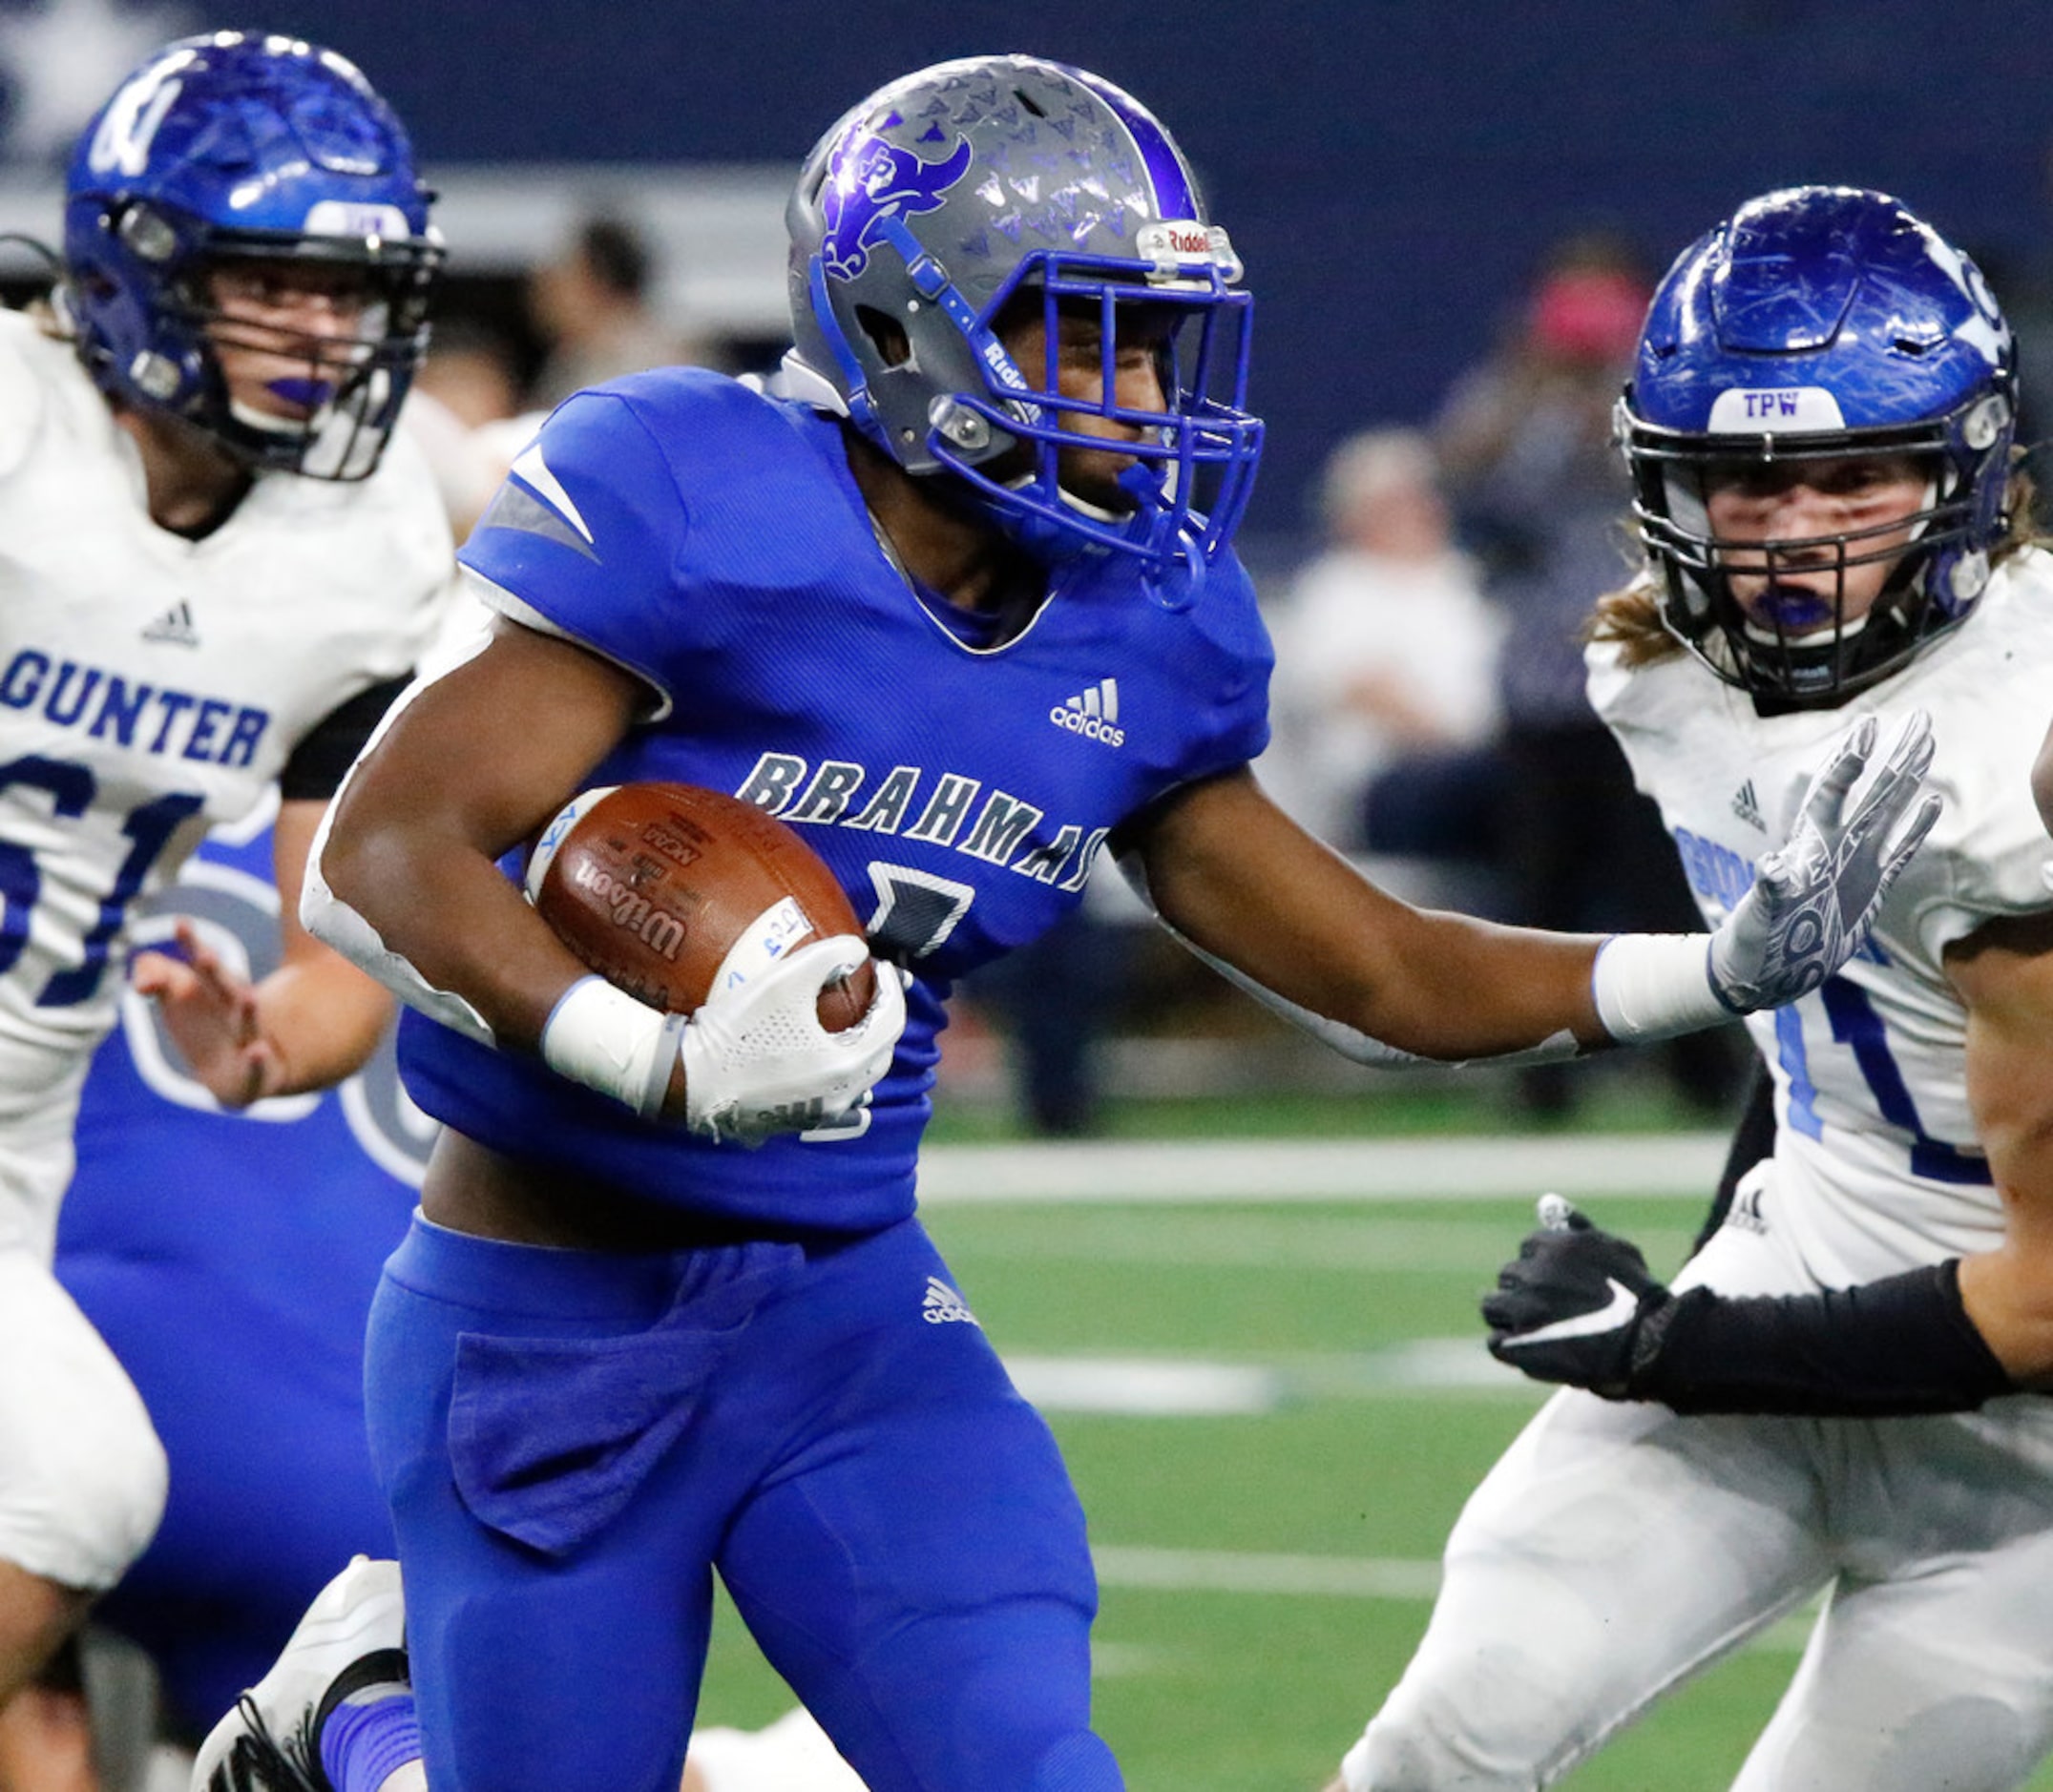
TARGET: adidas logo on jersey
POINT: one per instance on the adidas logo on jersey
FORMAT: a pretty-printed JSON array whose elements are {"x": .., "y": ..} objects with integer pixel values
[
  {"x": 175, "y": 626},
  {"x": 1095, "y": 715},
  {"x": 1748, "y": 806},
  {"x": 1746, "y": 1213},
  {"x": 944, "y": 1307}
]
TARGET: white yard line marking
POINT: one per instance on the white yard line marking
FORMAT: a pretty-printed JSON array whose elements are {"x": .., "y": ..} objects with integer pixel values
[
  {"x": 1232, "y": 1571},
  {"x": 1668, "y": 1164},
  {"x": 1174, "y": 1386},
  {"x": 1145, "y": 1386},
  {"x": 1329, "y": 1576},
  {"x": 1475, "y": 1244}
]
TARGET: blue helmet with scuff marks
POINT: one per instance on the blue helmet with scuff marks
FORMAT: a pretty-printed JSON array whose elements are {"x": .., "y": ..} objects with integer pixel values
[
  {"x": 1820, "y": 322},
  {"x": 241, "y": 146},
  {"x": 953, "y": 203}
]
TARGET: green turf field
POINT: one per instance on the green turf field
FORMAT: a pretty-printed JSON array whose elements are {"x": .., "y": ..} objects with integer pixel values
[{"x": 1266, "y": 1538}]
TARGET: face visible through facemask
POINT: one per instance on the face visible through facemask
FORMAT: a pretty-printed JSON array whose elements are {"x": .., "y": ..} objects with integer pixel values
[
  {"x": 1074, "y": 366},
  {"x": 1808, "y": 546},
  {"x": 286, "y": 336}
]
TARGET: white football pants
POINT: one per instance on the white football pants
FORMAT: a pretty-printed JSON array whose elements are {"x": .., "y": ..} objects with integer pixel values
[
  {"x": 1615, "y": 1549},
  {"x": 83, "y": 1475}
]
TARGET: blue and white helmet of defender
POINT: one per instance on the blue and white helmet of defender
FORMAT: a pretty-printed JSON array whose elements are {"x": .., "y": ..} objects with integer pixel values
[
  {"x": 1817, "y": 323},
  {"x": 242, "y": 145},
  {"x": 944, "y": 201}
]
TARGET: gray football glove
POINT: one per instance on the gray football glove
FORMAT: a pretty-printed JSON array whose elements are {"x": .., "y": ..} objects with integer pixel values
[{"x": 1815, "y": 895}]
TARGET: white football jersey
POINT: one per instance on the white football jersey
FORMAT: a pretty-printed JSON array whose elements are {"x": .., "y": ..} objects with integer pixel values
[
  {"x": 1878, "y": 1168},
  {"x": 152, "y": 687}
]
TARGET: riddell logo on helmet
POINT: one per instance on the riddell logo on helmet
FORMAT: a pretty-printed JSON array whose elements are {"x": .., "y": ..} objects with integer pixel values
[{"x": 1184, "y": 241}]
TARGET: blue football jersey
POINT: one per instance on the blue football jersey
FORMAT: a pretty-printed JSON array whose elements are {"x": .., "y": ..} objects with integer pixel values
[{"x": 713, "y": 540}]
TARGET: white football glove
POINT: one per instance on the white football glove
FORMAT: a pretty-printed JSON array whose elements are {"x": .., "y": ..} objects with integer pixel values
[
  {"x": 757, "y": 1061},
  {"x": 1814, "y": 896}
]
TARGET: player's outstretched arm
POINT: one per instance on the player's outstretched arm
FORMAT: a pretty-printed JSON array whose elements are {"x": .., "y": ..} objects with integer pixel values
[
  {"x": 1290, "y": 920},
  {"x": 406, "y": 884}
]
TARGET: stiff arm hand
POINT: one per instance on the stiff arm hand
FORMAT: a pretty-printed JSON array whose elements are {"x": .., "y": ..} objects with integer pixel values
[
  {"x": 1815, "y": 896},
  {"x": 1811, "y": 900}
]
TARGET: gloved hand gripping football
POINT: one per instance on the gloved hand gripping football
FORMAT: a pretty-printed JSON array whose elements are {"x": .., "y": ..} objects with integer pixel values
[
  {"x": 1574, "y": 1305},
  {"x": 757, "y": 1061}
]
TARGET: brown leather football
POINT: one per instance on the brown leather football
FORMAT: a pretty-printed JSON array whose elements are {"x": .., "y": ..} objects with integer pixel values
[{"x": 662, "y": 888}]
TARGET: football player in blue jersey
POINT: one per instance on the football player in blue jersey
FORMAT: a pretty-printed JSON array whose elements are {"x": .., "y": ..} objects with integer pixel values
[{"x": 955, "y": 597}]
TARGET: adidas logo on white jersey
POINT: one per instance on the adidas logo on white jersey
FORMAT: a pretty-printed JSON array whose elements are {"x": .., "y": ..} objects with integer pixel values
[
  {"x": 943, "y": 1306},
  {"x": 1095, "y": 715},
  {"x": 175, "y": 626},
  {"x": 1747, "y": 807}
]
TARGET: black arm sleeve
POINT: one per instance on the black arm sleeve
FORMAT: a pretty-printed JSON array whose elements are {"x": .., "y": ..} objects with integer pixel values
[
  {"x": 316, "y": 769},
  {"x": 1884, "y": 1349}
]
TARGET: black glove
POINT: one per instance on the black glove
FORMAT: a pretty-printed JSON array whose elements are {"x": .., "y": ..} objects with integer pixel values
[{"x": 1570, "y": 1306}]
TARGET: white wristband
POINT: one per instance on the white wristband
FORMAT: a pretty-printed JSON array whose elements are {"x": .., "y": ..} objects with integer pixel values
[
  {"x": 603, "y": 1038},
  {"x": 1653, "y": 986}
]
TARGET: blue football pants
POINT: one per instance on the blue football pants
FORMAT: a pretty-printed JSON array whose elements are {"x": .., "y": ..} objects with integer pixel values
[{"x": 572, "y": 1441}]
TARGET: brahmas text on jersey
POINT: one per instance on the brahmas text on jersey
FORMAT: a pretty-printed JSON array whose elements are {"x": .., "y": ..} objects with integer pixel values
[
  {"x": 1879, "y": 1167},
  {"x": 713, "y": 541},
  {"x": 151, "y": 686}
]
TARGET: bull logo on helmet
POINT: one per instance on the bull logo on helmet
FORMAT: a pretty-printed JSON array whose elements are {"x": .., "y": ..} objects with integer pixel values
[{"x": 872, "y": 182}]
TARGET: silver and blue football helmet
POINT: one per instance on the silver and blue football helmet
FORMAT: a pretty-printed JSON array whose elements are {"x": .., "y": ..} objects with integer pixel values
[
  {"x": 241, "y": 146},
  {"x": 942, "y": 202},
  {"x": 1818, "y": 322}
]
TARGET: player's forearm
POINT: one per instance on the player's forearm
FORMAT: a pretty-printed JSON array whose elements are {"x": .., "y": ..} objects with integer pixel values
[
  {"x": 1455, "y": 988},
  {"x": 1888, "y": 1348},
  {"x": 440, "y": 917},
  {"x": 322, "y": 1021},
  {"x": 1291, "y": 921}
]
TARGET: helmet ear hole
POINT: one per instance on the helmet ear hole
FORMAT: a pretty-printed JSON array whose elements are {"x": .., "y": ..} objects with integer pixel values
[{"x": 887, "y": 335}]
